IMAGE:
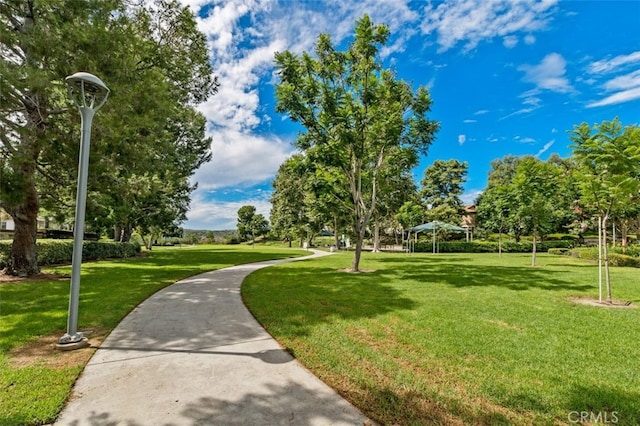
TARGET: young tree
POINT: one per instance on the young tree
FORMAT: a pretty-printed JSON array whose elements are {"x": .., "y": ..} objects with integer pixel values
[
  {"x": 534, "y": 190},
  {"x": 355, "y": 113},
  {"x": 495, "y": 206},
  {"x": 608, "y": 158}
]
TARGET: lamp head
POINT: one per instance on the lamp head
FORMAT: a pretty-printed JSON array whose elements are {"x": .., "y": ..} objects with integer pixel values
[{"x": 87, "y": 90}]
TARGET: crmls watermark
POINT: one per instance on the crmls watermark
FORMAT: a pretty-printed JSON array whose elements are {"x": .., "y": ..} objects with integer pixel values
[{"x": 603, "y": 417}]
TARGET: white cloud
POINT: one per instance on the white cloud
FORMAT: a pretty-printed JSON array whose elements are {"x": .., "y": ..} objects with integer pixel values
[
  {"x": 608, "y": 65},
  {"x": 545, "y": 148},
  {"x": 481, "y": 112},
  {"x": 462, "y": 139},
  {"x": 549, "y": 74},
  {"x": 510, "y": 41},
  {"x": 472, "y": 21},
  {"x": 531, "y": 102},
  {"x": 625, "y": 87},
  {"x": 241, "y": 159},
  {"x": 216, "y": 214},
  {"x": 529, "y": 39},
  {"x": 469, "y": 121},
  {"x": 617, "y": 98},
  {"x": 470, "y": 196},
  {"x": 624, "y": 82}
]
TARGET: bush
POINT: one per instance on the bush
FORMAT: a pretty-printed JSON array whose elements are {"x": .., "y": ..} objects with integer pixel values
[
  {"x": 615, "y": 259},
  {"x": 559, "y": 251},
  {"x": 490, "y": 246},
  {"x": 51, "y": 252}
]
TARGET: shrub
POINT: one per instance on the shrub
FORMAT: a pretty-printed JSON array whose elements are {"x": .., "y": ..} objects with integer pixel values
[
  {"x": 616, "y": 259},
  {"x": 51, "y": 252},
  {"x": 490, "y": 246},
  {"x": 559, "y": 251}
]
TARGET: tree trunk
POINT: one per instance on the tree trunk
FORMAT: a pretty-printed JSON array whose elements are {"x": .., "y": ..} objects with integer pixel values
[
  {"x": 600, "y": 258},
  {"x": 117, "y": 233},
  {"x": 126, "y": 233},
  {"x": 336, "y": 240},
  {"x": 605, "y": 250},
  {"x": 359, "y": 226},
  {"x": 533, "y": 253},
  {"x": 376, "y": 235},
  {"x": 22, "y": 261}
]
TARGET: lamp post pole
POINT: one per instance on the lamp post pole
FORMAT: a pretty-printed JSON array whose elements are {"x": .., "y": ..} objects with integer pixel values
[{"x": 89, "y": 93}]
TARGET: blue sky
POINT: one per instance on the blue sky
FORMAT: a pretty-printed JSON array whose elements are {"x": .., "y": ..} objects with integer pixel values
[{"x": 506, "y": 77}]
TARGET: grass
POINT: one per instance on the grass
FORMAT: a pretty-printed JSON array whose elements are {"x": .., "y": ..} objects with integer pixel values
[
  {"x": 459, "y": 338},
  {"x": 34, "y": 394}
]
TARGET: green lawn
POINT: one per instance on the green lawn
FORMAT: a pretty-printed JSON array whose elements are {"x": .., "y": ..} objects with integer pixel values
[
  {"x": 35, "y": 394},
  {"x": 459, "y": 338}
]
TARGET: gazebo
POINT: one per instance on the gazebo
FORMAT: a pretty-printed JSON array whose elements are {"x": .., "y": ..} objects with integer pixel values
[{"x": 433, "y": 226}]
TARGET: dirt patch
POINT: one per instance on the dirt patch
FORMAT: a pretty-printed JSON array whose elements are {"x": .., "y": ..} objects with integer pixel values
[
  {"x": 615, "y": 304},
  {"x": 42, "y": 351},
  {"x": 361, "y": 271},
  {"x": 4, "y": 278}
]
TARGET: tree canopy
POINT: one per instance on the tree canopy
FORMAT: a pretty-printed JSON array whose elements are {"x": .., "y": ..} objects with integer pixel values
[
  {"x": 356, "y": 114},
  {"x": 148, "y": 138}
]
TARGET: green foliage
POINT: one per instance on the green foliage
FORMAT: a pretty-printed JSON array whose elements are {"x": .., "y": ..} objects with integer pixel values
[
  {"x": 410, "y": 214},
  {"x": 559, "y": 251},
  {"x": 148, "y": 139},
  {"x": 53, "y": 252},
  {"x": 442, "y": 188},
  {"x": 357, "y": 117},
  {"x": 615, "y": 259},
  {"x": 608, "y": 156},
  {"x": 489, "y": 246}
]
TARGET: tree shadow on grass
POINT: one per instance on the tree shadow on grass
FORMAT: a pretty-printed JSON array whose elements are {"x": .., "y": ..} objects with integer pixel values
[
  {"x": 450, "y": 271},
  {"x": 312, "y": 294},
  {"x": 598, "y": 404}
]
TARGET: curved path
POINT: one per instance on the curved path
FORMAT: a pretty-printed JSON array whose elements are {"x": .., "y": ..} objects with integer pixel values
[{"x": 192, "y": 354}]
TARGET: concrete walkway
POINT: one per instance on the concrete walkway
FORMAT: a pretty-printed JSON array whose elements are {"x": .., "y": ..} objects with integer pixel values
[{"x": 192, "y": 354}]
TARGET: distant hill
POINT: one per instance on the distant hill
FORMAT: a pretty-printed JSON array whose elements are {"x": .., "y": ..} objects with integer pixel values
[{"x": 207, "y": 233}]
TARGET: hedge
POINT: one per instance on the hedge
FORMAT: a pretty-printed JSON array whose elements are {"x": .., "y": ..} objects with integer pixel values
[
  {"x": 491, "y": 246},
  {"x": 615, "y": 259},
  {"x": 51, "y": 252}
]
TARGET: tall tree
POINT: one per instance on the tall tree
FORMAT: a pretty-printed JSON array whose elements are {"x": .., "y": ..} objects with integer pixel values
[
  {"x": 245, "y": 222},
  {"x": 153, "y": 59},
  {"x": 288, "y": 207},
  {"x": 608, "y": 157},
  {"x": 396, "y": 187},
  {"x": 354, "y": 113},
  {"x": 500, "y": 180},
  {"x": 41, "y": 43},
  {"x": 442, "y": 188}
]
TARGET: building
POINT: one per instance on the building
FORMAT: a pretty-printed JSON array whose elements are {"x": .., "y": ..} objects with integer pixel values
[{"x": 469, "y": 220}]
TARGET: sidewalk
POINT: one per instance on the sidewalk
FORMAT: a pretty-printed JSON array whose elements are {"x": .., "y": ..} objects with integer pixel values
[{"x": 192, "y": 354}]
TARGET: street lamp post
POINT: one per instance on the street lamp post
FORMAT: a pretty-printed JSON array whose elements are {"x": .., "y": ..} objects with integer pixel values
[{"x": 89, "y": 93}]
